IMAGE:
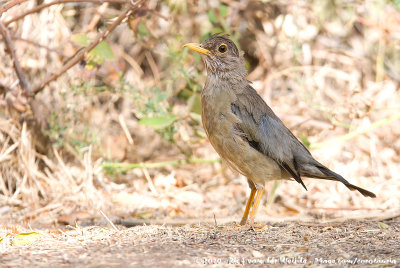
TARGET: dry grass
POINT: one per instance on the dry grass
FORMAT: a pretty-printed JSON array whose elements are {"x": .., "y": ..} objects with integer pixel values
[
  {"x": 34, "y": 184},
  {"x": 329, "y": 71}
]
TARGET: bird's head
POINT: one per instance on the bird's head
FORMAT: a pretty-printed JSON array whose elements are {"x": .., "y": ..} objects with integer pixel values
[{"x": 220, "y": 55}]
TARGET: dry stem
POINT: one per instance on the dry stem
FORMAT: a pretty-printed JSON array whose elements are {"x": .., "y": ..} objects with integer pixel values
[
  {"x": 81, "y": 53},
  {"x": 10, "y": 47}
]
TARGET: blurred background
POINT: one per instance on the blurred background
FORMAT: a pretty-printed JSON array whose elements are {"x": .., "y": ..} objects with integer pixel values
[{"x": 120, "y": 131}]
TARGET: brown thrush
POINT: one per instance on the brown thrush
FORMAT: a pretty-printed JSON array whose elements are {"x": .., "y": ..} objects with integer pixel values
[{"x": 244, "y": 130}]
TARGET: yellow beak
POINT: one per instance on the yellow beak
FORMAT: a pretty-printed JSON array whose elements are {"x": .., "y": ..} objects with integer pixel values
[{"x": 197, "y": 48}]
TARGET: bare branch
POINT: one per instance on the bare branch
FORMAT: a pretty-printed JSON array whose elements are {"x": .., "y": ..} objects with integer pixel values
[
  {"x": 11, "y": 50},
  {"x": 9, "y": 5},
  {"x": 81, "y": 53},
  {"x": 38, "y": 8}
]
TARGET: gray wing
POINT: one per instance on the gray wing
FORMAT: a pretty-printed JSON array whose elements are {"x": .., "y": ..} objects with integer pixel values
[{"x": 266, "y": 133}]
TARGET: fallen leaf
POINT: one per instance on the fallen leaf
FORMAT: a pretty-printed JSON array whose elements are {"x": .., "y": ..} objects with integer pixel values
[
  {"x": 26, "y": 238},
  {"x": 383, "y": 225}
]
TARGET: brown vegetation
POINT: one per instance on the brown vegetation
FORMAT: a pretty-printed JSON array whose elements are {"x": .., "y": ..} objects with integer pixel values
[{"x": 118, "y": 129}]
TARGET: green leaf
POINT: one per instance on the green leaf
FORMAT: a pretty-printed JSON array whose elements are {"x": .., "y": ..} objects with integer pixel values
[
  {"x": 101, "y": 53},
  {"x": 80, "y": 39},
  {"x": 142, "y": 30},
  {"x": 223, "y": 10},
  {"x": 212, "y": 16},
  {"x": 98, "y": 54},
  {"x": 26, "y": 238},
  {"x": 383, "y": 225},
  {"x": 158, "y": 122}
]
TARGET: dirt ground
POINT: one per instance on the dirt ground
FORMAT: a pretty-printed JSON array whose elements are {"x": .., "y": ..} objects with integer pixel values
[{"x": 293, "y": 243}]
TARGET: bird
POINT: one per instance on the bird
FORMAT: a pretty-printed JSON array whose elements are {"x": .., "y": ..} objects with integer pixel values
[{"x": 244, "y": 130}]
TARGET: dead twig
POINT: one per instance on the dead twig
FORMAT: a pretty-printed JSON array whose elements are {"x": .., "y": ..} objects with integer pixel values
[
  {"x": 81, "y": 53},
  {"x": 153, "y": 67},
  {"x": 108, "y": 220},
  {"x": 125, "y": 129},
  {"x": 149, "y": 181},
  {"x": 40, "y": 7},
  {"x": 11, "y": 50},
  {"x": 96, "y": 17}
]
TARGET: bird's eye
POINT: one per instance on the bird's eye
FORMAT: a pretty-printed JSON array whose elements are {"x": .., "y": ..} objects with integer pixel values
[{"x": 223, "y": 48}]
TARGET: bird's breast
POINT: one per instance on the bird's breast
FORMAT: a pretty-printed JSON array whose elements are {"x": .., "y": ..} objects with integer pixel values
[
  {"x": 217, "y": 115},
  {"x": 219, "y": 123}
]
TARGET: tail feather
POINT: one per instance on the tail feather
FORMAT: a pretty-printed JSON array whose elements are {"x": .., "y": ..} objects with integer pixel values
[{"x": 334, "y": 176}]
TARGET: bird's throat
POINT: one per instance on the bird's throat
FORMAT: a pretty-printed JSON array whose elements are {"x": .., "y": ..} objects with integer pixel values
[{"x": 230, "y": 81}]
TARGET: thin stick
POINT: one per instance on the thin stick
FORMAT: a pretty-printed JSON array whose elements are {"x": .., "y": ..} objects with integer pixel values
[
  {"x": 149, "y": 181},
  {"x": 125, "y": 129},
  {"x": 96, "y": 17},
  {"x": 109, "y": 221},
  {"x": 40, "y": 7},
  {"x": 153, "y": 66},
  {"x": 11, "y": 50},
  {"x": 136, "y": 67},
  {"x": 81, "y": 53}
]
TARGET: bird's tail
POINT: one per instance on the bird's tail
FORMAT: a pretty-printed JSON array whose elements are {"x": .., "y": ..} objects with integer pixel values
[
  {"x": 330, "y": 175},
  {"x": 337, "y": 177}
]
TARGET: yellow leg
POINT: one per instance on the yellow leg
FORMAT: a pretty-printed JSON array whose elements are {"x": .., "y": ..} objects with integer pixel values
[
  {"x": 255, "y": 206},
  {"x": 248, "y": 206}
]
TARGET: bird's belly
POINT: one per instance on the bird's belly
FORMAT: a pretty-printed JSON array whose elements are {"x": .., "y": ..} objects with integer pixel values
[{"x": 238, "y": 153}]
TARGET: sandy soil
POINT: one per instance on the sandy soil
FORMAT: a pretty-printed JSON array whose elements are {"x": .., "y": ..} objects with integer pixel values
[{"x": 287, "y": 242}]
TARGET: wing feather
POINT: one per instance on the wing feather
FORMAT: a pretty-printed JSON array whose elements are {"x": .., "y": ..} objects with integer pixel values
[{"x": 265, "y": 132}]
